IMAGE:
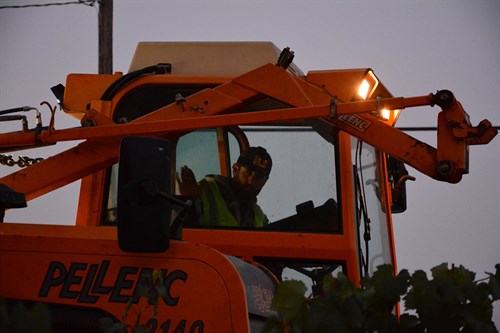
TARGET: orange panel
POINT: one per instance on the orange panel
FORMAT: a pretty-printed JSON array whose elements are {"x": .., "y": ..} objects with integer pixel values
[
  {"x": 81, "y": 89},
  {"x": 82, "y": 271}
]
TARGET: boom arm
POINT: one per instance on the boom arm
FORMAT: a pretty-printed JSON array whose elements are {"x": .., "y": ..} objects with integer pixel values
[
  {"x": 448, "y": 162},
  {"x": 224, "y": 105}
]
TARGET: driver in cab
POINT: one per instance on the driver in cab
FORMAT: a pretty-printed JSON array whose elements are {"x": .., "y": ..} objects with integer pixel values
[{"x": 231, "y": 202}]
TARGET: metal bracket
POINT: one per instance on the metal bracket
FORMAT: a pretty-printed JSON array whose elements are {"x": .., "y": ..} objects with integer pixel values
[{"x": 333, "y": 107}]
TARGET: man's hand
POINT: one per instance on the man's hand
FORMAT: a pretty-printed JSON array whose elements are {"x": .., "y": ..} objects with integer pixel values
[{"x": 187, "y": 182}]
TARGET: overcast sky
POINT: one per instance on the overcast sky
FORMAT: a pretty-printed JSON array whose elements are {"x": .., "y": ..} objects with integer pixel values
[{"x": 414, "y": 47}]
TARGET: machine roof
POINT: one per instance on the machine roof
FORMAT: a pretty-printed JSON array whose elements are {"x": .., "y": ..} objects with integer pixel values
[{"x": 226, "y": 59}]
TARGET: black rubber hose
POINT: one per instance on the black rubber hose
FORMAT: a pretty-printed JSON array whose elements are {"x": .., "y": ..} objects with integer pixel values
[
  {"x": 19, "y": 109},
  {"x": 116, "y": 86}
]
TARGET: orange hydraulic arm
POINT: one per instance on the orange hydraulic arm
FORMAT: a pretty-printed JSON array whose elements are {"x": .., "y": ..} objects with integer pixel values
[
  {"x": 225, "y": 106},
  {"x": 448, "y": 162}
]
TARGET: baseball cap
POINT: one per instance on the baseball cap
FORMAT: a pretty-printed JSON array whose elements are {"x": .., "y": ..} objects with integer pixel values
[{"x": 256, "y": 159}]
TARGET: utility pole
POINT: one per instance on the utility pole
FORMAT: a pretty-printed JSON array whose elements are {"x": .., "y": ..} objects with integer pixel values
[{"x": 105, "y": 36}]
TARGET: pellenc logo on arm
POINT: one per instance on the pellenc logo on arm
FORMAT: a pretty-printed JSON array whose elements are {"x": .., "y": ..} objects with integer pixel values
[{"x": 354, "y": 121}]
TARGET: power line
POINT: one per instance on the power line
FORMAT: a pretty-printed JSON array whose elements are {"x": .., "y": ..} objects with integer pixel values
[
  {"x": 423, "y": 129},
  {"x": 89, "y": 3},
  {"x": 307, "y": 129},
  {"x": 417, "y": 129}
]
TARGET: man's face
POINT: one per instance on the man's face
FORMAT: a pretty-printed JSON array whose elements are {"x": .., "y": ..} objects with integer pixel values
[{"x": 246, "y": 183}]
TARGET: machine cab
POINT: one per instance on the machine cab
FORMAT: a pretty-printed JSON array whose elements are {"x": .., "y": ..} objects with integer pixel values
[{"x": 326, "y": 198}]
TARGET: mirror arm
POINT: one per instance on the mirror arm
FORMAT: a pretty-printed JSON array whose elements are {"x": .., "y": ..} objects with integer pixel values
[{"x": 151, "y": 188}]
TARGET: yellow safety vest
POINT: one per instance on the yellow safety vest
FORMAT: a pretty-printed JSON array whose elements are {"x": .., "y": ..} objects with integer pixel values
[{"x": 215, "y": 210}]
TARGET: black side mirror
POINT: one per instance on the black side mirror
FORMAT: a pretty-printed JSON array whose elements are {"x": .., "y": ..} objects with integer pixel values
[
  {"x": 144, "y": 216},
  {"x": 10, "y": 199}
]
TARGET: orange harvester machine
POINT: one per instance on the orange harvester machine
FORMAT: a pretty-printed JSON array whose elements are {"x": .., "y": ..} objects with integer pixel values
[{"x": 338, "y": 174}]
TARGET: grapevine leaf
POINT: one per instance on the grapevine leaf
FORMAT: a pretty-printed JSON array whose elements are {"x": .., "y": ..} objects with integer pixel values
[
  {"x": 290, "y": 302},
  {"x": 494, "y": 283}
]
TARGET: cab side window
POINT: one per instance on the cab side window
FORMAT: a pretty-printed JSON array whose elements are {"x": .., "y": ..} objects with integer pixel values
[{"x": 201, "y": 152}]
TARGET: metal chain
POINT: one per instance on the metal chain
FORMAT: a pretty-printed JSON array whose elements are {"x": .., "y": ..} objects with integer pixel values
[{"x": 22, "y": 161}]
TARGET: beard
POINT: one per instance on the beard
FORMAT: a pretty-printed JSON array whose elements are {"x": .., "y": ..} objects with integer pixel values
[{"x": 244, "y": 193}]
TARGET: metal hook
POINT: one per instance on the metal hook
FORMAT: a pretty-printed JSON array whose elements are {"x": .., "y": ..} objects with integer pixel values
[{"x": 52, "y": 117}]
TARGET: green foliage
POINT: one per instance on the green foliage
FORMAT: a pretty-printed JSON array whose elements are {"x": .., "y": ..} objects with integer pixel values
[
  {"x": 152, "y": 291},
  {"x": 23, "y": 319},
  {"x": 452, "y": 301}
]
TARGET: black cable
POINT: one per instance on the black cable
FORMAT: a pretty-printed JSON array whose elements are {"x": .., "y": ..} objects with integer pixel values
[
  {"x": 19, "y": 109},
  {"x": 361, "y": 211},
  {"x": 421, "y": 129},
  {"x": 364, "y": 206},
  {"x": 417, "y": 129},
  {"x": 291, "y": 129},
  {"x": 121, "y": 82}
]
